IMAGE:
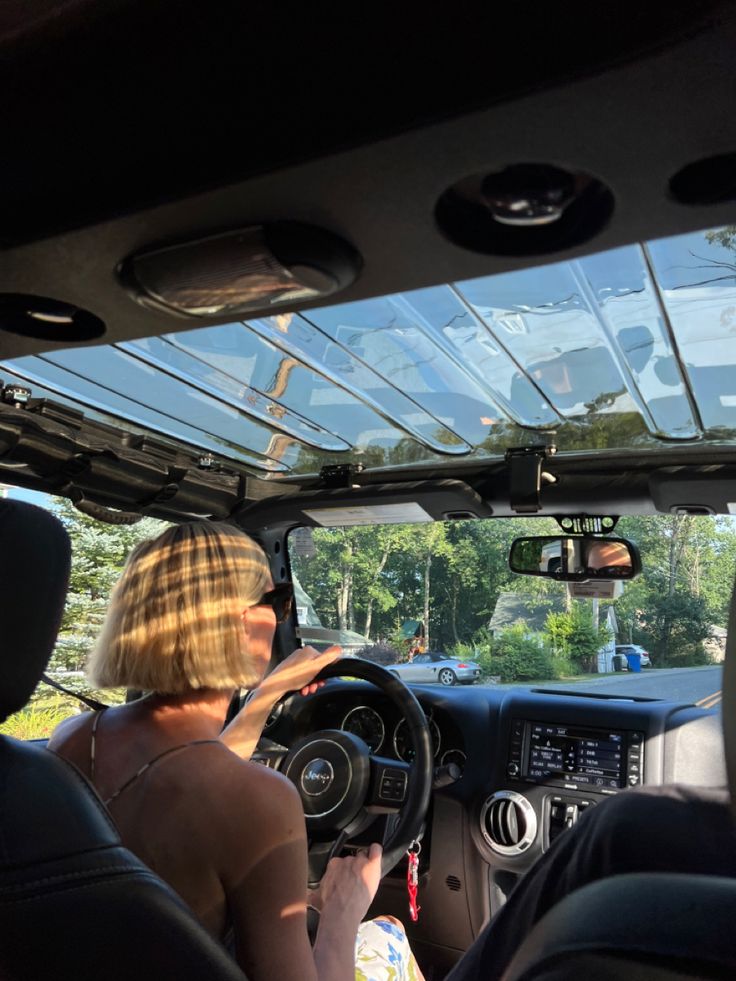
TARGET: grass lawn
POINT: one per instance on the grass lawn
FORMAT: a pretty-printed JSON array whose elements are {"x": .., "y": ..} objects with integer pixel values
[{"x": 47, "y": 708}]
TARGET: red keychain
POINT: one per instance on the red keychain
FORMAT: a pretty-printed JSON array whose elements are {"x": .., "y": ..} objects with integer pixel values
[{"x": 412, "y": 879}]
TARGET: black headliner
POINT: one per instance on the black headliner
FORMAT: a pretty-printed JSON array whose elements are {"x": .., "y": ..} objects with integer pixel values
[
  {"x": 113, "y": 107},
  {"x": 123, "y": 103}
]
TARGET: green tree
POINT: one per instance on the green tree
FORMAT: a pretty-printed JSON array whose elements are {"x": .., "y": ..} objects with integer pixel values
[
  {"x": 688, "y": 568},
  {"x": 675, "y": 627},
  {"x": 352, "y": 577},
  {"x": 725, "y": 237},
  {"x": 98, "y": 553}
]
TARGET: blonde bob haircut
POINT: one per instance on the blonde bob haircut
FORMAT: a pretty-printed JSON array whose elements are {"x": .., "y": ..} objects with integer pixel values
[{"x": 175, "y": 621}]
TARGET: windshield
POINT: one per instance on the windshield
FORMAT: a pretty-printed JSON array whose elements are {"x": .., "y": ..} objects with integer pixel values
[{"x": 395, "y": 593}]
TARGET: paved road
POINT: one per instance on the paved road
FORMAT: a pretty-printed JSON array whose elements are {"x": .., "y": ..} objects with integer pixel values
[{"x": 701, "y": 686}]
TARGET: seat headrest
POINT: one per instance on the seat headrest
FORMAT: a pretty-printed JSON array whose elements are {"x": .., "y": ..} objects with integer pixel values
[
  {"x": 49, "y": 810},
  {"x": 34, "y": 575}
]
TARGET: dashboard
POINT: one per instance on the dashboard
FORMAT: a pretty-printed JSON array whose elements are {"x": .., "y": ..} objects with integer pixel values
[
  {"x": 376, "y": 720},
  {"x": 530, "y": 763}
]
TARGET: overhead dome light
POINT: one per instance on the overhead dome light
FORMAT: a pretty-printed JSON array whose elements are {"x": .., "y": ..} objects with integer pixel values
[
  {"x": 528, "y": 194},
  {"x": 524, "y": 209},
  {"x": 263, "y": 267}
]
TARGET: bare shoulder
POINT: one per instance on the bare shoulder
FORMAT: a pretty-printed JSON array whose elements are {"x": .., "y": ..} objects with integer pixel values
[
  {"x": 268, "y": 791},
  {"x": 70, "y": 729},
  {"x": 235, "y": 781},
  {"x": 259, "y": 813}
]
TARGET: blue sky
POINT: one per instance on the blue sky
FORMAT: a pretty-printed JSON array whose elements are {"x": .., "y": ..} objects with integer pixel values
[{"x": 33, "y": 497}]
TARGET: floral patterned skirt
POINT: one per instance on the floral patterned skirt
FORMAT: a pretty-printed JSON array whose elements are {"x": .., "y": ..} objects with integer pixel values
[{"x": 382, "y": 953}]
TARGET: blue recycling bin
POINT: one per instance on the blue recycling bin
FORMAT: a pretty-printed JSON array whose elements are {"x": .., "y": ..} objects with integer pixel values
[{"x": 634, "y": 662}]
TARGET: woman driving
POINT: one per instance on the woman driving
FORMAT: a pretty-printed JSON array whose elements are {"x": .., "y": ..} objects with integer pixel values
[{"x": 191, "y": 621}]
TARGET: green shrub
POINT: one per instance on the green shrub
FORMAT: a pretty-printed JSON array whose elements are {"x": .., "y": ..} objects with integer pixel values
[
  {"x": 691, "y": 657},
  {"x": 562, "y": 666},
  {"x": 575, "y": 639},
  {"x": 488, "y": 663},
  {"x": 47, "y": 708},
  {"x": 520, "y": 656},
  {"x": 465, "y": 652}
]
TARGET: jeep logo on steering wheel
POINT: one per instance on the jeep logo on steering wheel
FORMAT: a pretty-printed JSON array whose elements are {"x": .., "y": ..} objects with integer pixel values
[{"x": 317, "y": 777}]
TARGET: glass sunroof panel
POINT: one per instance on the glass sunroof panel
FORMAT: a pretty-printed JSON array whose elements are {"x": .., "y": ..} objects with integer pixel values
[
  {"x": 299, "y": 336},
  {"x": 49, "y": 381},
  {"x": 628, "y": 349},
  {"x": 543, "y": 318},
  {"x": 585, "y": 332},
  {"x": 159, "y": 352},
  {"x": 442, "y": 313},
  {"x": 697, "y": 276},
  {"x": 103, "y": 374},
  {"x": 632, "y": 318},
  {"x": 326, "y": 397},
  {"x": 387, "y": 334}
]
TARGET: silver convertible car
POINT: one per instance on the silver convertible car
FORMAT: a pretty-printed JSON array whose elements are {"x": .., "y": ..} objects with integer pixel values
[{"x": 435, "y": 666}]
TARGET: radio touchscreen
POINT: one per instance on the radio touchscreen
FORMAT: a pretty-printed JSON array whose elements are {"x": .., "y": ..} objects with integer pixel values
[
  {"x": 580, "y": 756},
  {"x": 556, "y": 754}
]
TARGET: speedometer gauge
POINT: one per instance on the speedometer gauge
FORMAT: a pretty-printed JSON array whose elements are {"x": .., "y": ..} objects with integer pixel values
[
  {"x": 367, "y": 724},
  {"x": 402, "y": 742}
]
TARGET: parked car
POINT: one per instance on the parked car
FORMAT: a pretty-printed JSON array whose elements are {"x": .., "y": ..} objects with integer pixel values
[
  {"x": 625, "y": 649},
  {"x": 436, "y": 666}
]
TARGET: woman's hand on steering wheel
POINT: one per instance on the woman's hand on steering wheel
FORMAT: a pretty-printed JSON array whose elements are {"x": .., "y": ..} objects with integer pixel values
[
  {"x": 297, "y": 672},
  {"x": 350, "y": 883}
]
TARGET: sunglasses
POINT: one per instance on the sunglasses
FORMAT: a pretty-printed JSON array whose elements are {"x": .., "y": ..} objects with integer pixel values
[{"x": 280, "y": 599}]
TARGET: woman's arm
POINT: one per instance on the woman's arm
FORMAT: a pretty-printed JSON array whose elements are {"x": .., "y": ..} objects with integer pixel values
[
  {"x": 295, "y": 673},
  {"x": 265, "y": 884}
]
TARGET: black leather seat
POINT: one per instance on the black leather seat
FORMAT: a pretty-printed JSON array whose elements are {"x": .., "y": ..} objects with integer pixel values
[
  {"x": 662, "y": 927},
  {"x": 73, "y": 902}
]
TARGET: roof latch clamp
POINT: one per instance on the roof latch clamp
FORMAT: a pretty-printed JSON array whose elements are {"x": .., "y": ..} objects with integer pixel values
[
  {"x": 525, "y": 476},
  {"x": 342, "y": 475},
  {"x": 16, "y": 395}
]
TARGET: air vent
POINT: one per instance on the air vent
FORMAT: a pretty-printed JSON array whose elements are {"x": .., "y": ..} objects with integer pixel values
[
  {"x": 453, "y": 883},
  {"x": 508, "y": 822}
]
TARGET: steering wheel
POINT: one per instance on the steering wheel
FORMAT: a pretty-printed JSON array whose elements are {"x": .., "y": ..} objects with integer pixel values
[{"x": 343, "y": 786}]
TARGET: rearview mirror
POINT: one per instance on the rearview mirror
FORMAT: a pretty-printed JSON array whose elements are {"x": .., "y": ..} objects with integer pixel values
[{"x": 574, "y": 559}]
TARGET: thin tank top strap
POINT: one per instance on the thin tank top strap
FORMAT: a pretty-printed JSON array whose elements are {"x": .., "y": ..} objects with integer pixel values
[
  {"x": 156, "y": 759},
  {"x": 93, "y": 744}
]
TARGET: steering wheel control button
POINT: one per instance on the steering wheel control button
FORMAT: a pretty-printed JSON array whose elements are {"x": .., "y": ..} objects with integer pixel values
[
  {"x": 392, "y": 786},
  {"x": 317, "y": 777}
]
